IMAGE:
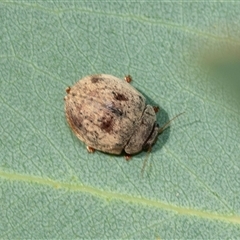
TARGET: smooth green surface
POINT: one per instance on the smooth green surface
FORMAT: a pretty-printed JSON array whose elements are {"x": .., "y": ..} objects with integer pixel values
[{"x": 182, "y": 57}]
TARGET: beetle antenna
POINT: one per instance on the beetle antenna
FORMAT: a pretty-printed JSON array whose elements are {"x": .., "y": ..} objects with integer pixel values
[
  {"x": 145, "y": 160},
  {"x": 166, "y": 125}
]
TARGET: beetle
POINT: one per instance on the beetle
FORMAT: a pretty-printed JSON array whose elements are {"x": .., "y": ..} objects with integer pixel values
[{"x": 110, "y": 115}]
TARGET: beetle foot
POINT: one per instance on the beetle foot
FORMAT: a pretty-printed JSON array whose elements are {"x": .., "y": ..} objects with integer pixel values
[
  {"x": 128, "y": 157},
  {"x": 156, "y": 109},
  {"x": 68, "y": 89},
  {"x": 128, "y": 78},
  {"x": 90, "y": 149}
]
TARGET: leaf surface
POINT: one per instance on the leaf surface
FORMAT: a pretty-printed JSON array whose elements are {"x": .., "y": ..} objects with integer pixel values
[{"x": 182, "y": 57}]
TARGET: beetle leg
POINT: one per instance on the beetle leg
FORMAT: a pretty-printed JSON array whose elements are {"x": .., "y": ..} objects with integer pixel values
[
  {"x": 90, "y": 149},
  {"x": 128, "y": 78},
  {"x": 156, "y": 109},
  {"x": 68, "y": 89},
  {"x": 128, "y": 157}
]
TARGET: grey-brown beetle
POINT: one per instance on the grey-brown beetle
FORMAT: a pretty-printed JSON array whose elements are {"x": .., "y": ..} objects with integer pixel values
[{"x": 110, "y": 115}]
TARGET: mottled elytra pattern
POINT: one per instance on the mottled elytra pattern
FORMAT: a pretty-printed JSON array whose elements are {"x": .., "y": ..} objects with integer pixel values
[
  {"x": 106, "y": 113},
  {"x": 120, "y": 97}
]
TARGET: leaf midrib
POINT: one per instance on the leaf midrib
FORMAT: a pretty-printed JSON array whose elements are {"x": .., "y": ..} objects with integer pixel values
[{"x": 107, "y": 195}]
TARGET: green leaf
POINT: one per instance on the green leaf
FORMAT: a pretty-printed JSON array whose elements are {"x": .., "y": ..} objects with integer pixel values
[{"x": 182, "y": 57}]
